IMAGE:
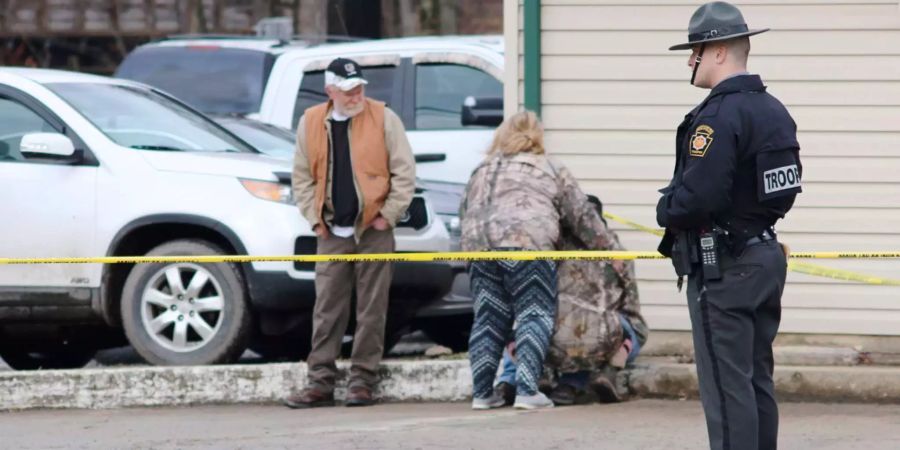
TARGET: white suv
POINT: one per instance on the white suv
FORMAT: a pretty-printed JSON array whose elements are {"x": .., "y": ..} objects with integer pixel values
[
  {"x": 425, "y": 80},
  {"x": 447, "y": 90},
  {"x": 93, "y": 166}
]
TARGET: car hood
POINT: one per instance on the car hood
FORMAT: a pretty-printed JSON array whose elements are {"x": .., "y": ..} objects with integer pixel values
[{"x": 240, "y": 165}]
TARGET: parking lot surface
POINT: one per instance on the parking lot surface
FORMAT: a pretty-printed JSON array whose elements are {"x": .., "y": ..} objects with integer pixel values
[{"x": 641, "y": 424}]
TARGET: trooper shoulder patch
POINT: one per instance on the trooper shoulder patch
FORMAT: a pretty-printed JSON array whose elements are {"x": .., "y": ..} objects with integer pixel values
[{"x": 701, "y": 140}]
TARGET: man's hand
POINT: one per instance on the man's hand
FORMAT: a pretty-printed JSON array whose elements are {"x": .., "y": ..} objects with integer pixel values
[
  {"x": 380, "y": 223},
  {"x": 321, "y": 231}
]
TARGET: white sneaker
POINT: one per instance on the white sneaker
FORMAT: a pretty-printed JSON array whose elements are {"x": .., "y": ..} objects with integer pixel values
[
  {"x": 494, "y": 401},
  {"x": 536, "y": 401}
]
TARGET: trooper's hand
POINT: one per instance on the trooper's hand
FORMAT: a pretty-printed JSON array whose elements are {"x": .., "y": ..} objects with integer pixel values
[
  {"x": 380, "y": 223},
  {"x": 321, "y": 231}
]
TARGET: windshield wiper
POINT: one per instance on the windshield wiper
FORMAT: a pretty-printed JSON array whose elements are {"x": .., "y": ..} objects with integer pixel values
[{"x": 157, "y": 147}]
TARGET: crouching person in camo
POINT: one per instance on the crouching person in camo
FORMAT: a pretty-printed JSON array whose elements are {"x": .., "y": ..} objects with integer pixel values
[
  {"x": 598, "y": 329},
  {"x": 599, "y": 326}
]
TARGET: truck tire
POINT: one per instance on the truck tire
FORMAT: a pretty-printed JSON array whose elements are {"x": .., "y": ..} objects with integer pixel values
[{"x": 186, "y": 313}]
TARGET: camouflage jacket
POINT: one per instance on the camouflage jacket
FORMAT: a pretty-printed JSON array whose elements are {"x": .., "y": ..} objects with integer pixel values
[
  {"x": 592, "y": 294},
  {"x": 521, "y": 201}
]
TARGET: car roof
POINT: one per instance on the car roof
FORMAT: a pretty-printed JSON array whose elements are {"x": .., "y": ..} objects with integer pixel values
[
  {"x": 493, "y": 43},
  {"x": 267, "y": 45}
]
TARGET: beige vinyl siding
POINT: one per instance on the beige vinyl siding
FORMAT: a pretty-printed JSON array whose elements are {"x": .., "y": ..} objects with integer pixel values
[{"x": 613, "y": 95}]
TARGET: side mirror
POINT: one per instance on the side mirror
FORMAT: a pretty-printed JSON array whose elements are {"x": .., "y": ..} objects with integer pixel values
[
  {"x": 484, "y": 111},
  {"x": 48, "y": 144}
]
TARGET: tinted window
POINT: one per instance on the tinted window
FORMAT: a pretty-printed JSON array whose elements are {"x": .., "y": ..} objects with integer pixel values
[
  {"x": 441, "y": 90},
  {"x": 212, "y": 79},
  {"x": 312, "y": 88},
  {"x": 16, "y": 121}
]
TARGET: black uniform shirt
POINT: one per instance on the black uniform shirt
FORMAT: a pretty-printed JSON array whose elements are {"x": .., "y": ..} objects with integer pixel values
[{"x": 737, "y": 162}]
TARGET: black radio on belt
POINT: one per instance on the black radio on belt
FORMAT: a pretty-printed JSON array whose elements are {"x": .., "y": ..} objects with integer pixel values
[{"x": 709, "y": 255}]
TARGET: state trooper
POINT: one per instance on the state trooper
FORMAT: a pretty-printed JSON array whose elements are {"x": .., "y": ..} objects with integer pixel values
[{"x": 737, "y": 172}]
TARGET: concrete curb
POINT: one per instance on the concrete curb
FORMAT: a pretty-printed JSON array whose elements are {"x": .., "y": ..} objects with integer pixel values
[
  {"x": 796, "y": 349},
  {"x": 175, "y": 386},
  {"x": 797, "y": 383},
  {"x": 402, "y": 381}
]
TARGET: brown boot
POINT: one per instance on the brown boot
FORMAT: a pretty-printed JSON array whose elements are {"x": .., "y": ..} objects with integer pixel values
[
  {"x": 359, "y": 396},
  {"x": 310, "y": 397},
  {"x": 604, "y": 385},
  {"x": 563, "y": 395}
]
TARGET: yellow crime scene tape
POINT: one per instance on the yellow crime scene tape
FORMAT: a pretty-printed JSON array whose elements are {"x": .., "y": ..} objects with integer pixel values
[
  {"x": 802, "y": 267},
  {"x": 796, "y": 266},
  {"x": 838, "y": 274},
  {"x": 521, "y": 255},
  {"x": 369, "y": 257}
]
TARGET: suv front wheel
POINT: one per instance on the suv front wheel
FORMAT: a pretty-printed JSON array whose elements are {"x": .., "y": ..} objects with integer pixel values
[{"x": 186, "y": 313}]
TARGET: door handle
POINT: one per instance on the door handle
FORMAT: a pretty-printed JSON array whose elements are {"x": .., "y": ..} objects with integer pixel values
[{"x": 431, "y": 157}]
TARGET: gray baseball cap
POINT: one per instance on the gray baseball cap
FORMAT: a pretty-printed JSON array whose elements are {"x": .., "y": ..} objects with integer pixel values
[{"x": 716, "y": 21}]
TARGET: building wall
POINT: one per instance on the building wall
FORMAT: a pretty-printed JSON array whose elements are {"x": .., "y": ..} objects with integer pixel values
[
  {"x": 480, "y": 16},
  {"x": 613, "y": 95},
  {"x": 441, "y": 17}
]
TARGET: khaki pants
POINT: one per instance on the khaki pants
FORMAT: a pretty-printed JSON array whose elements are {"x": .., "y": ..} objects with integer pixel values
[{"x": 334, "y": 286}]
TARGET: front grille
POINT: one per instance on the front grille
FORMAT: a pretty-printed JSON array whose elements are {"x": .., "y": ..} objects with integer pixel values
[{"x": 416, "y": 216}]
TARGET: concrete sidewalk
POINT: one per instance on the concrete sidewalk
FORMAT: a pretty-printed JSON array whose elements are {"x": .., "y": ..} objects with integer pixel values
[{"x": 403, "y": 381}]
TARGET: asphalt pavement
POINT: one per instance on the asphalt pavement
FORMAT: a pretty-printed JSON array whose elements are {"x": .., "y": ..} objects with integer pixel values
[{"x": 641, "y": 424}]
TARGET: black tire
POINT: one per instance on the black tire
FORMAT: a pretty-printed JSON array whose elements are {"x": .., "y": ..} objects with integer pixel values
[
  {"x": 452, "y": 332},
  {"x": 63, "y": 357},
  {"x": 228, "y": 328}
]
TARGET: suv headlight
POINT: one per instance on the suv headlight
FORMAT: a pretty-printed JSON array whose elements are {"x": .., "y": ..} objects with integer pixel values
[
  {"x": 269, "y": 190},
  {"x": 454, "y": 229},
  {"x": 452, "y": 224}
]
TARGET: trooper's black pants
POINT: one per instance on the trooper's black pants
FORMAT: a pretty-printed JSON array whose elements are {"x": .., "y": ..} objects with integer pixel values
[{"x": 734, "y": 321}]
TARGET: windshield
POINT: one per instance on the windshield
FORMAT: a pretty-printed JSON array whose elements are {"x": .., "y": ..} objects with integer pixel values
[
  {"x": 269, "y": 139},
  {"x": 213, "y": 79},
  {"x": 139, "y": 118}
]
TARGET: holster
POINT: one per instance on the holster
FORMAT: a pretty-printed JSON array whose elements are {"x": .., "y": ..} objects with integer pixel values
[{"x": 684, "y": 253}]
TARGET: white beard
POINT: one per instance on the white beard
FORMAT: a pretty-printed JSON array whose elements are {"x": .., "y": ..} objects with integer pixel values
[{"x": 350, "y": 112}]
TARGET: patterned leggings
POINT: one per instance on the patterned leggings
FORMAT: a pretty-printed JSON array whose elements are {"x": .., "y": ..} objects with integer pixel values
[{"x": 507, "y": 290}]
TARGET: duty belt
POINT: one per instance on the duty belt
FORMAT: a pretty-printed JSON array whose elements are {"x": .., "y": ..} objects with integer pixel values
[{"x": 766, "y": 235}]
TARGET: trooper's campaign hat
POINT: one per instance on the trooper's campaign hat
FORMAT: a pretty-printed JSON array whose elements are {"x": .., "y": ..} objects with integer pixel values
[{"x": 716, "y": 21}]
